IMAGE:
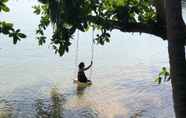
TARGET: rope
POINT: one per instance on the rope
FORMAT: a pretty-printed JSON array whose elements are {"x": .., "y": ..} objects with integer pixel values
[
  {"x": 92, "y": 53},
  {"x": 76, "y": 55}
]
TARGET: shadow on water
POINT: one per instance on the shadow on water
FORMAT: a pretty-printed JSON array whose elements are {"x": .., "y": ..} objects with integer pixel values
[{"x": 54, "y": 108}]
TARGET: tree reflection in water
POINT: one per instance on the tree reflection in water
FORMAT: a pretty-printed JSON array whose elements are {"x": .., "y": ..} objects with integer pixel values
[
  {"x": 6, "y": 110},
  {"x": 80, "y": 90},
  {"x": 52, "y": 108}
]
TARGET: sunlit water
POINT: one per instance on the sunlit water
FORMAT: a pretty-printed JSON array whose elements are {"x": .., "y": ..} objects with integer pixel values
[{"x": 36, "y": 83}]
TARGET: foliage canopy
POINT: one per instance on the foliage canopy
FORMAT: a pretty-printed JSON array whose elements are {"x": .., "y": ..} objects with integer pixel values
[{"x": 67, "y": 16}]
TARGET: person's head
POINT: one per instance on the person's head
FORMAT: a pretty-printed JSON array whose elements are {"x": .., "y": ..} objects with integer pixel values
[{"x": 81, "y": 65}]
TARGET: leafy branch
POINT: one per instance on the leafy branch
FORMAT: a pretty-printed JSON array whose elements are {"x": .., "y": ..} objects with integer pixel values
[
  {"x": 164, "y": 75},
  {"x": 67, "y": 16},
  {"x": 7, "y": 28}
]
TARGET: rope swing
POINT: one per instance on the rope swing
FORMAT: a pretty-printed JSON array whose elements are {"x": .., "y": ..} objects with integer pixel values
[
  {"x": 77, "y": 53},
  {"x": 92, "y": 53}
]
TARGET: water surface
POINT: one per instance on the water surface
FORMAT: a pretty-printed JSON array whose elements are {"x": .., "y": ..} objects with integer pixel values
[{"x": 35, "y": 82}]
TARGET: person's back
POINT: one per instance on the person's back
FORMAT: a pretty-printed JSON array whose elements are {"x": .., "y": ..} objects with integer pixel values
[{"x": 81, "y": 74}]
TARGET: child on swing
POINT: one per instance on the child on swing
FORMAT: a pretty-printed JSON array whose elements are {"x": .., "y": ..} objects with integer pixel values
[{"x": 81, "y": 75}]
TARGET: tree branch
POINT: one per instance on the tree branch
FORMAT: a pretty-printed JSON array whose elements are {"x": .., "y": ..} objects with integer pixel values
[{"x": 150, "y": 28}]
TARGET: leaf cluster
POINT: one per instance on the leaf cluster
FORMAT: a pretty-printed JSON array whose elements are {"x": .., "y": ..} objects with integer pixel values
[
  {"x": 7, "y": 28},
  {"x": 3, "y": 6},
  {"x": 164, "y": 75},
  {"x": 44, "y": 22}
]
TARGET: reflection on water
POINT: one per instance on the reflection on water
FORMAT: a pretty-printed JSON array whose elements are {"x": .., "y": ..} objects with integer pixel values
[
  {"x": 52, "y": 109},
  {"x": 5, "y": 109},
  {"x": 80, "y": 89},
  {"x": 126, "y": 94},
  {"x": 55, "y": 107},
  {"x": 122, "y": 95}
]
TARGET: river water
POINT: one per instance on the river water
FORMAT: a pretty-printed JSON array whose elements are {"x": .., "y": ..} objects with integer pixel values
[{"x": 36, "y": 83}]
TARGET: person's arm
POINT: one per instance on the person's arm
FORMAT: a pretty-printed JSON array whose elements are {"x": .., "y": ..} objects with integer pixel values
[{"x": 88, "y": 66}]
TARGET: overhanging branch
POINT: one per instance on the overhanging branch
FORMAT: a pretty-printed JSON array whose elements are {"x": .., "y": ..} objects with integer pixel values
[{"x": 150, "y": 28}]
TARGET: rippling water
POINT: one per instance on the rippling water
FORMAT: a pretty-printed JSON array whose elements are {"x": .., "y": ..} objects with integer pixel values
[{"x": 34, "y": 82}]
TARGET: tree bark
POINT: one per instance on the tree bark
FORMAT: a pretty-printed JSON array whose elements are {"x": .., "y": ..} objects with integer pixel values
[
  {"x": 150, "y": 28},
  {"x": 176, "y": 38}
]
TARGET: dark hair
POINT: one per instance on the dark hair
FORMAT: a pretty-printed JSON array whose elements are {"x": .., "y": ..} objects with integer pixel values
[{"x": 81, "y": 65}]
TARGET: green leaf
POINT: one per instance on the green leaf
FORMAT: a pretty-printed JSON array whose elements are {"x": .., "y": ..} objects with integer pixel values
[
  {"x": 61, "y": 50},
  {"x": 37, "y": 9},
  {"x": 17, "y": 31},
  {"x": 21, "y": 35},
  {"x": 163, "y": 74},
  {"x": 8, "y": 25},
  {"x": 41, "y": 40},
  {"x": 15, "y": 39},
  {"x": 4, "y": 8},
  {"x": 4, "y": 1},
  {"x": 39, "y": 31},
  {"x": 158, "y": 80}
]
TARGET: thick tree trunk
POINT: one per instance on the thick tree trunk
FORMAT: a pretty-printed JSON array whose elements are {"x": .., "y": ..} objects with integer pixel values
[
  {"x": 176, "y": 37},
  {"x": 178, "y": 76}
]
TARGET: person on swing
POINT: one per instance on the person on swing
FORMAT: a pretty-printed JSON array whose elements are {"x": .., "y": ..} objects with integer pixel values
[{"x": 81, "y": 74}]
